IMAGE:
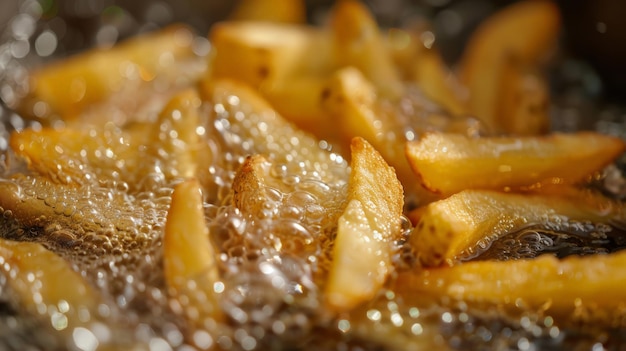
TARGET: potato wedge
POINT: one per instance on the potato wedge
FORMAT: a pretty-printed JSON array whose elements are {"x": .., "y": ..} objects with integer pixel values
[
  {"x": 447, "y": 228},
  {"x": 190, "y": 263},
  {"x": 525, "y": 33},
  {"x": 249, "y": 184},
  {"x": 358, "y": 43},
  {"x": 438, "y": 82},
  {"x": 265, "y": 132},
  {"x": 187, "y": 249},
  {"x": 175, "y": 138},
  {"x": 421, "y": 63},
  {"x": 524, "y": 102},
  {"x": 299, "y": 101},
  {"x": 68, "y": 87},
  {"x": 448, "y": 163},
  {"x": 263, "y": 54},
  {"x": 47, "y": 287},
  {"x": 55, "y": 280},
  {"x": 586, "y": 289},
  {"x": 279, "y": 11},
  {"x": 83, "y": 155},
  {"x": 366, "y": 229},
  {"x": 352, "y": 102},
  {"x": 76, "y": 156}
]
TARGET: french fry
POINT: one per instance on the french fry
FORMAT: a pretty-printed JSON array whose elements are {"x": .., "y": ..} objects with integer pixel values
[
  {"x": 263, "y": 54},
  {"x": 358, "y": 43},
  {"x": 449, "y": 163},
  {"x": 438, "y": 82},
  {"x": 43, "y": 281},
  {"x": 279, "y": 11},
  {"x": 70, "y": 86},
  {"x": 175, "y": 139},
  {"x": 405, "y": 47},
  {"x": 76, "y": 156},
  {"x": 69, "y": 155},
  {"x": 525, "y": 102},
  {"x": 299, "y": 101},
  {"x": 366, "y": 230},
  {"x": 524, "y": 33},
  {"x": 189, "y": 259},
  {"x": 424, "y": 66},
  {"x": 264, "y": 124},
  {"x": 352, "y": 102},
  {"x": 588, "y": 289},
  {"x": 249, "y": 184},
  {"x": 187, "y": 248},
  {"x": 447, "y": 228}
]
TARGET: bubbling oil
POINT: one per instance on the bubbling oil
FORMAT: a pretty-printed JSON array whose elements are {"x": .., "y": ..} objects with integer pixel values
[
  {"x": 273, "y": 257},
  {"x": 561, "y": 240}
]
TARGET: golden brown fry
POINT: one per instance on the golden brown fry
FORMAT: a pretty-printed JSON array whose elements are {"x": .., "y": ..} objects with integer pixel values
[
  {"x": 438, "y": 82},
  {"x": 75, "y": 156},
  {"x": 359, "y": 43},
  {"x": 299, "y": 101},
  {"x": 405, "y": 47},
  {"x": 351, "y": 100},
  {"x": 521, "y": 34},
  {"x": 43, "y": 281},
  {"x": 449, "y": 163},
  {"x": 285, "y": 11},
  {"x": 525, "y": 101},
  {"x": 587, "y": 289},
  {"x": 366, "y": 230},
  {"x": 424, "y": 66},
  {"x": 187, "y": 250},
  {"x": 267, "y": 132},
  {"x": 68, "y": 87},
  {"x": 175, "y": 138},
  {"x": 249, "y": 184},
  {"x": 80, "y": 155},
  {"x": 447, "y": 228},
  {"x": 264, "y": 54}
]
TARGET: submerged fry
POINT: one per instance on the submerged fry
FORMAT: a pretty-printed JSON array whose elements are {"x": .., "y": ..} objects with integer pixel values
[
  {"x": 358, "y": 43},
  {"x": 82, "y": 155},
  {"x": 438, "y": 82},
  {"x": 43, "y": 280},
  {"x": 447, "y": 228},
  {"x": 187, "y": 249},
  {"x": 176, "y": 137},
  {"x": 366, "y": 230},
  {"x": 448, "y": 163},
  {"x": 588, "y": 289},
  {"x": 521, "y": 34},
  {"x": 249, "y": 185},
  {"x": 73, "y": 156},
  {"x": 352, "y": 102}
]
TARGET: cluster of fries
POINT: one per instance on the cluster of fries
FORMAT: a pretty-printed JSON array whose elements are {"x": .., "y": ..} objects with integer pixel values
[{"x": 338, "y": 88}]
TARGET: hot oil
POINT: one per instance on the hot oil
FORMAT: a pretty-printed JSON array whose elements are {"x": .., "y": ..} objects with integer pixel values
[
  {"x": 273, "y": 259},
  {"x": 562, "y": 240},
  {"x": 109, "y": 226}
]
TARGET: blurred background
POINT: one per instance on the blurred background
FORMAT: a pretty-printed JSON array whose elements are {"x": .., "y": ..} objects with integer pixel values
[{"x": 588, "y": 76}]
